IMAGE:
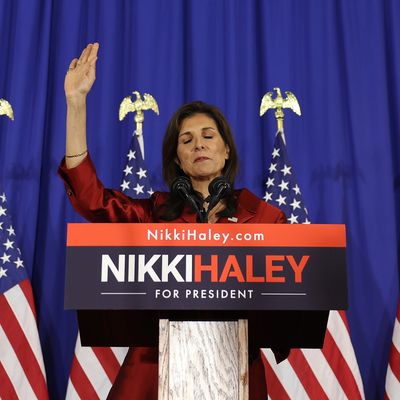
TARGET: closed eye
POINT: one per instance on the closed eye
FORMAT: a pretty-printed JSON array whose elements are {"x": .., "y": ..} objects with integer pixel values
[{"x": 208, "y": 133}]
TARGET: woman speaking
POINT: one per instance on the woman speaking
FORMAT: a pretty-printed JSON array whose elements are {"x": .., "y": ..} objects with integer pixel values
[{"x": 198, "y": 150}]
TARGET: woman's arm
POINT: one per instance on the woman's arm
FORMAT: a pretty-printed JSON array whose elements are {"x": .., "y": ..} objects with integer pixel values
[
  {"x": 78, "y": 82},
  {"x": 85, "y": 191}
]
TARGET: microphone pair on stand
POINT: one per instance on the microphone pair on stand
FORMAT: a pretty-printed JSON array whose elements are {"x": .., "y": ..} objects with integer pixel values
[{"x": 219, "y": 188}]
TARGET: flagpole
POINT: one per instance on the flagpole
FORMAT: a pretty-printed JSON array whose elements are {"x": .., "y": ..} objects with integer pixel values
[{"x": 279, "y": 115}]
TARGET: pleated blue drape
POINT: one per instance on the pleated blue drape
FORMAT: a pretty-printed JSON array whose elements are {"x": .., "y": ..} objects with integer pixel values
[{"x": 340, "y": 58}]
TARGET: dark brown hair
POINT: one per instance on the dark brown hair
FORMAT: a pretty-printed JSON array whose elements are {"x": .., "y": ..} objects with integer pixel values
[{"x": 171, "y": 170}]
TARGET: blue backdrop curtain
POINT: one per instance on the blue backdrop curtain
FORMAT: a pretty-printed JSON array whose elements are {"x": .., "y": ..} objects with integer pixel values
[{"x": 340, "y": 58}]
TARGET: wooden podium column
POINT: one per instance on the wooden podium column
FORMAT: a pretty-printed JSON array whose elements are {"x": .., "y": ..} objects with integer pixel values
[{"x": 203, "y": 360}]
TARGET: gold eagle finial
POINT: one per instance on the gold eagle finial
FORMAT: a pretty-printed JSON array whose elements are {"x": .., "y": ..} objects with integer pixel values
[
  {"x": 6, "y": 109},
  {"x": 138, "y": 106},
  {"x": 279, "y": 103}
]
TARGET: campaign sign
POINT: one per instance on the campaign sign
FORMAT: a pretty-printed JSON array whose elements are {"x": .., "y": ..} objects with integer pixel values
[{"x": 206, "y": 267}]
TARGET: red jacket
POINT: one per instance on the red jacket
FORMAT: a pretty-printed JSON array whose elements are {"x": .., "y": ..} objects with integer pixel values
[{"x": 138, "y": 375}]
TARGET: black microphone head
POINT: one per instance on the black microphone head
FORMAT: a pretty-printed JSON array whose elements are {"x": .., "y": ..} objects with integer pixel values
[
  {"x": 181, "y": 186},
  {"x": 219, "y": 187}
]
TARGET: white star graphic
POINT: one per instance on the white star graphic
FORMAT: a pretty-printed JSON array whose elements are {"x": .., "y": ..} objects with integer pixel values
[
  {"x": 2, "y": 272},
  {"x": 150, "y": 192},
  {"x": 1, "y": 226},
  {"x": 3, "y": 197},
  {"x": 138, "y": 189},
  {"x": 19, "y": 263},
  {"x": 275, "y": 153},
  {"x": 141, "y": 173},
  {"x": 284, "y": 185},
  {"x": 270, "y": 182},
  {"x": 124, "y": 185},
  {"x": 268, "y": 196},
  {"x": 2, "y": 211},
  {"x": 295, "y": 204},
  {"x": 131, "y": 154},
  {"x": 272, "y": 168},
  {"x": 5, "y": 258},
  {"x": 296, "y": 189},
  {"x": 293, "y": 219},
  {"x": 305, "y": 210},
  {"x": 306, "y": 221},
  {"x": 128, "y": 170},
  {"x": 8, "y": 244},
  {"x": 286, "y": 170},
  {"x": 11, "y": 231},
  {"x": 281, "y": 200}
]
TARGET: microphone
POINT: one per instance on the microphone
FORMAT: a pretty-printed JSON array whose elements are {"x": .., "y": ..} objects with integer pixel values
[
  {"x": 219, "y": 188},
  {"x": 182, "y": 186}
]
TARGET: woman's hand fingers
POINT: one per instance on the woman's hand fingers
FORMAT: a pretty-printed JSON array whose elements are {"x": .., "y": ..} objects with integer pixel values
[
  {"x": 82, "y": 72},
  {"x": 92, "y": 56},
  {"x": 83, "y": 56},
  {"x": 73, "y": 63}
]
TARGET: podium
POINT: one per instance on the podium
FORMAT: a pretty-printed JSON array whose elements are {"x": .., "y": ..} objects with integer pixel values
[{"x": 205, "y": 296}]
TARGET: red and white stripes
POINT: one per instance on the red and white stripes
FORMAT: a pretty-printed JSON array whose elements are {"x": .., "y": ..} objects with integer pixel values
[
  {"x": 93, "y": 371},
  {"x": 329, "y": 373},
  {"x": 392, "y": 385},
  {"x": 22, "y": 372}
]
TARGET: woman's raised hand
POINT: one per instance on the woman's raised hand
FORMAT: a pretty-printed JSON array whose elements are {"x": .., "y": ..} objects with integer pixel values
[{"x": 81, "y": 73}]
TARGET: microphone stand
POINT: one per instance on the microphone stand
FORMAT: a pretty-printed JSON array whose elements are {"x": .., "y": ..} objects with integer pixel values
[
  {"x": 183, "y": 187},
  {"x": 203, "y": 215},
  {"x": 218, "y": 188}
]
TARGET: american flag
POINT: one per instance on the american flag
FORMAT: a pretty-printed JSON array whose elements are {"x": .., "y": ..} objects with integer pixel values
[
  {"x": 94, "y": 369},
  {"x": 135, "y": 181},
  {"x": 22, "y": 373},
  {"x": 328, "y": 373},
  {"x": 392, "y": 385}
]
